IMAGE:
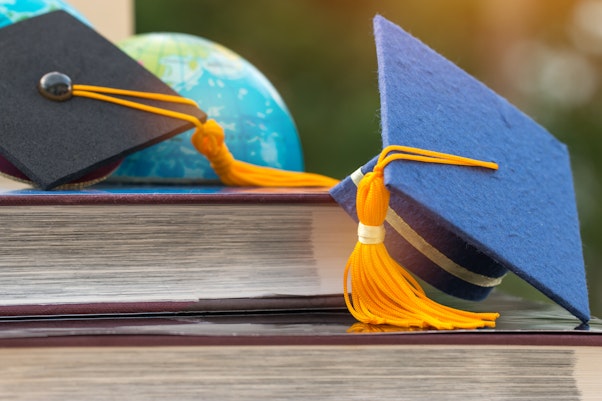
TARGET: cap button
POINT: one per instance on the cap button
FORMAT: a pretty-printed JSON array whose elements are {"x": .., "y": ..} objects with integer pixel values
[{"x": 56, "y": 86}]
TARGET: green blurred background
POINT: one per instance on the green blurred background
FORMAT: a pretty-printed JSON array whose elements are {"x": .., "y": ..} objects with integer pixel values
[{"x": 545, "y": 56}]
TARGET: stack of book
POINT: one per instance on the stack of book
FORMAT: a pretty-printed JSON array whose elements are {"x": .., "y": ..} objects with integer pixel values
[{"x": 220, "y": 293}]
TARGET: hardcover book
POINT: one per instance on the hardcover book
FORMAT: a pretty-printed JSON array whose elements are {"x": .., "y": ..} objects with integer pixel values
[
  {"x": 535, "y": 353},
  {"x": 114, "y": 249}
]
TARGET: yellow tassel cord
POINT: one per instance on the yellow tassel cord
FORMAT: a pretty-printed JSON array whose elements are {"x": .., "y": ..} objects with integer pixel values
[
  {"x": 382, "y": 291},
  {"x": 208, "y": 139}
]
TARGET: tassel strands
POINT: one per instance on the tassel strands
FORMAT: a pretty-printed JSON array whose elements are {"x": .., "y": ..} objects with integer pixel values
[{"x": 383, "y": 292}]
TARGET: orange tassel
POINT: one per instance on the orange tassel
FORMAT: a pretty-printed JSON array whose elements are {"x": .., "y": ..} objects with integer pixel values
[{"x": 383, "y": 292}]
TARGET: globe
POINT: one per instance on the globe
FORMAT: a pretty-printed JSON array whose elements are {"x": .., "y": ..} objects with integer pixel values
[
  {"x": 258, "y": 127},
  {"x": 12, "y": 11}
]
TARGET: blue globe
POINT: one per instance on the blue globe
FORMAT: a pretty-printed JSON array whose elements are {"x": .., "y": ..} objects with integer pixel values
[
  {"x": 12, "y": 11},
  {"x": 258, "y": 126}
]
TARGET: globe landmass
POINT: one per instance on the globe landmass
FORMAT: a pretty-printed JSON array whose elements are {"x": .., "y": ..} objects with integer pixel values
[
  {"x": 258, "y": 126},
  {"x": 12, "y": 11}
]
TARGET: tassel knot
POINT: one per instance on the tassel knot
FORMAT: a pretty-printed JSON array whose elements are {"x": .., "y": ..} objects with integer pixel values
[
  {"x": 372, "y": 199},
  {"x": 208, "y": 139}
]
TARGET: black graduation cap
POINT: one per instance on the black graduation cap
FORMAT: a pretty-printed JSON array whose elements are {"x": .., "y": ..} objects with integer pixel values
[{"x": 51, "y": 142}]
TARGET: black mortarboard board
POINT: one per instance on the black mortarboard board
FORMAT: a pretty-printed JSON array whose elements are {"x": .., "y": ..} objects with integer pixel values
[
  {"x": 459, "y": 228},
  {"x": 53, "y": 143}
]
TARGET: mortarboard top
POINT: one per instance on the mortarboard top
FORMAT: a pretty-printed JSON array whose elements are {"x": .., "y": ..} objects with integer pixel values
[
  {"x": 461, "y": 228},
  {"x": 53, "y": 143}
]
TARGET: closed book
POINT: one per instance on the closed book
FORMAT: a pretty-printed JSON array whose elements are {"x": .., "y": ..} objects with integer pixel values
[
  {"x": 535, "y": 353},
  {"x": 115, "y": 249}
]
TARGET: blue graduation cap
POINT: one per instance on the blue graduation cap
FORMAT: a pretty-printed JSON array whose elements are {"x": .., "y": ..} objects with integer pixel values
[{"x": 462, "y": 228}]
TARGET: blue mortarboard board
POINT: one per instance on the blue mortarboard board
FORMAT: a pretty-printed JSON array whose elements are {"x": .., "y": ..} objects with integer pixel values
[{"x": 460, "y": 229}]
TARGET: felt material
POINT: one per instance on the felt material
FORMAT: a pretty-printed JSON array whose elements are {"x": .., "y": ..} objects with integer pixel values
[
  {"x": 522, "y": 217},
  {"x": 54, "y": 143}
]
